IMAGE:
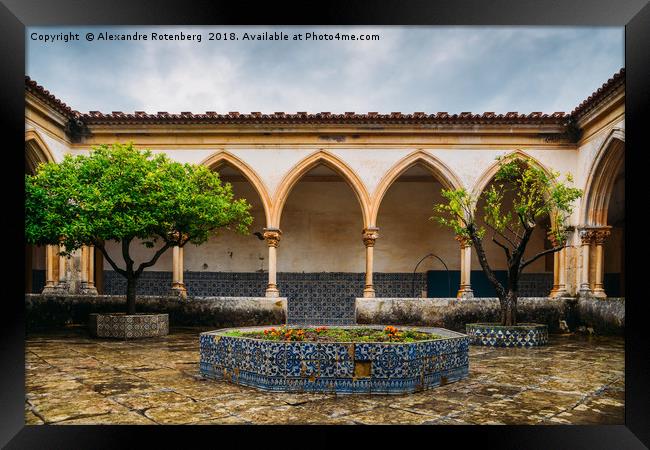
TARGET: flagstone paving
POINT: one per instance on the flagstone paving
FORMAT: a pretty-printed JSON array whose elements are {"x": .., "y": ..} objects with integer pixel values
[{"x": 72, "y": 378}]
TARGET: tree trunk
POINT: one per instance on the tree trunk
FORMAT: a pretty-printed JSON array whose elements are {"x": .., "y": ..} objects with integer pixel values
[
  {"x": 130, "y": 294},
  {"x": 509, "y": 309}
]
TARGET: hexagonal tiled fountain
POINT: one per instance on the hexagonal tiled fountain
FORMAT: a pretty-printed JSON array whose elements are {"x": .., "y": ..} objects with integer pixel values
[{"x": 337, "y": 367}]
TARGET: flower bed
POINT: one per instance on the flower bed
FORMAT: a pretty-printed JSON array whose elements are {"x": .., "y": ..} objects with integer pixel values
[
  {"x": 337, "y": 334},
  {"x": 287, "y": 362}
]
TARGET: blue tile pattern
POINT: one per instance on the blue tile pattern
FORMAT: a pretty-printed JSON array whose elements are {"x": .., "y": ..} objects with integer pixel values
[
  {"x": 395, "y": 368},
  {"x": 498, "y": 336}
]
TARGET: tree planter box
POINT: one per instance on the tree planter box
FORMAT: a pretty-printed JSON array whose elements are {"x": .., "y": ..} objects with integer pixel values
[
  {"x": 335, "y": 367},
  {"x": 494, "y": 335},
  {"x": 128, "y": 326}
]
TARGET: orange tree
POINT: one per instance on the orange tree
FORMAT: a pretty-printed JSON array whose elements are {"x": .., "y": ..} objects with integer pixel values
[
  {"x": 535, "y": 195},
  {"x": 119, "y": 193}
]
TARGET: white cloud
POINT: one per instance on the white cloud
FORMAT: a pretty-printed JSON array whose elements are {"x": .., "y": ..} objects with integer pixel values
[{"x": 427, "y": 69}]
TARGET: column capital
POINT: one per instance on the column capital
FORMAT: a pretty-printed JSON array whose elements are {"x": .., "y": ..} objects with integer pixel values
[
  {"x": 369, "y": 236},
  {"x": 272, "y": 236},
  {"x": 463, "y": 240},
  {"x": 597, "y": 235},
  {"x": 601, "y": 235},
  {"x": 586, "y": 235}
]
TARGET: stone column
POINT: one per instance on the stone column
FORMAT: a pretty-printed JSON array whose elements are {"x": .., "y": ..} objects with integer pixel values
[
  {"x": 561, "y": 284},
  {"x": 178, "y": 287},
  {"x": 600, "y": 236},
  {"x": 51, "y": 269},
  {"x": 465, "y": 290},
  {"x": 62, "y": 283},
  {"x": 272, "y": 237},
  {"x": 586, "y": 237},
  {"x": 559, "y": 270},
  {"x": 87, "y": 271},
  {"x": 369, "y": 236},
  {"x": 91, "y": 269}
]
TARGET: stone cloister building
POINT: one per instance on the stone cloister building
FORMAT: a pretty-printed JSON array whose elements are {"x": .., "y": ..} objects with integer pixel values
[{"x": 342, "y": 202}]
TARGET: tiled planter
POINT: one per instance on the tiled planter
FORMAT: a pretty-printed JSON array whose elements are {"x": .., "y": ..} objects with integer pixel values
[
  {"x": 128, "y": 326},
  {"x": 341, "y": 368},
  {"x": 494, "y": 335}
]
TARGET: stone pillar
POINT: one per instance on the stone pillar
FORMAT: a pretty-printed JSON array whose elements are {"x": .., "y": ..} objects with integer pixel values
[
  {"x": 586, "y": 237},
  {"x": 272, "y": 237},
  {"x": 559, "y": 270},
  {"x": 178, "y": 287},
  {"x": 91, "y": 268},
  {"x": 465, "y": 290},
  {"x": 62, "y": 283},
  {"x": 600, "y": 236},
  {"x": 561, "y": 284},
  {"x": 87, "y": 276},
  {"x": 369, "y": 236},
  {"x": 51, "y": 269}
]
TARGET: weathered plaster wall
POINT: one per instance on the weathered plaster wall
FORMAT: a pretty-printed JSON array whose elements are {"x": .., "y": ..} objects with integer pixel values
[
  {"x": 406, "y": 233},
  {"x": 603, "y": 316},
  {"x": 321, "y": 229},
  {"x": 230, "y": 251},
  {"x": 215, "y": 311}
]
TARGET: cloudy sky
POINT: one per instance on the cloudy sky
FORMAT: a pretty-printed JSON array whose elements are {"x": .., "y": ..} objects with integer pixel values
[{"x": 430, "y": 69}]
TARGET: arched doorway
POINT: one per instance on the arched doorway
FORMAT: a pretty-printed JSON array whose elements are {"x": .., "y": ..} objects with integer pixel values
[
  {"x": 321, "y": 257},
  {"x": 603, "y": 216},
  {"x": 230, "y": 264},
  {"x": 414, "y": 256},
  {"x": 614, "y": 280}
]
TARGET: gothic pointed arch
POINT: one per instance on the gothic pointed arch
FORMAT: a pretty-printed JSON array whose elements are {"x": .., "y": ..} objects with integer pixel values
[
  {"x": 486, "y": 177},
  {"x": 299, "y": 170},
  {"x": 36, "y": 151},
  {"x": 438, "y": 169},
  {"x": 601, "y": 177},
  {"x": 223, "y": 157}
]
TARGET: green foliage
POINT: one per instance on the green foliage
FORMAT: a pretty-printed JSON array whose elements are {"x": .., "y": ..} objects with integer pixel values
[
  {"x": 535, "y": 195},
  {"x": 457, "y": 213},
  {"x": 120, "y": 193}
]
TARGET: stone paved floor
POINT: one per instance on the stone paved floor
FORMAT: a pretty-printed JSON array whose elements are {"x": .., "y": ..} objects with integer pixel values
[{"x": 74, "y": 379}]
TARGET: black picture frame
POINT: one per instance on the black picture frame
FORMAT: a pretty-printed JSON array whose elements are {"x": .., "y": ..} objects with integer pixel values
[{"x": 15, "y": 15}]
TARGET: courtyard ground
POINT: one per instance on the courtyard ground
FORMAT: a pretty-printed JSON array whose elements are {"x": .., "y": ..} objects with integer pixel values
[{"x": 74, "y": 379}]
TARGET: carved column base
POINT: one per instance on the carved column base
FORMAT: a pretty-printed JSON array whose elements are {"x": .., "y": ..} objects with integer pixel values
[
  {"x": 465, "y": 292},
  {"x": 62, "y": 288},
  {"x": 50, "y": 290},
  {"x": 559, "y": 293},
  {"x": 369, "y": 292},
  {"x": 599, "y": 293},
  {"x": 179, "y": 290},
  {"x": 86, "y": 289},
  {"x": 585, "y": 292},
  {"x": 272, "y": 290}
]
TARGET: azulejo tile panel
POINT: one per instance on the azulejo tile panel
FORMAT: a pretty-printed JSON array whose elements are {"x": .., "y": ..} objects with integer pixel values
[
  {"x": 522, "y": 335},
  {"x": 128, "y": 326},
  {"x": 345, "y": 368}
]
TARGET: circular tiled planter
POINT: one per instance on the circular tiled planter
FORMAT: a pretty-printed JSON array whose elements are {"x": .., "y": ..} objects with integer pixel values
[
  {"x": 335, "y": 367},
  {"x": 128, "y": 326},
  {"x": 495, "y": 335}
]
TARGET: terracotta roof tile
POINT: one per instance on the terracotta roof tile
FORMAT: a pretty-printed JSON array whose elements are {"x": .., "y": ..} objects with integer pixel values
[
  {"x": 590, "y": 102},
  {"x": 279, "y": 117},
  {"x": 50, "y": 99}
]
